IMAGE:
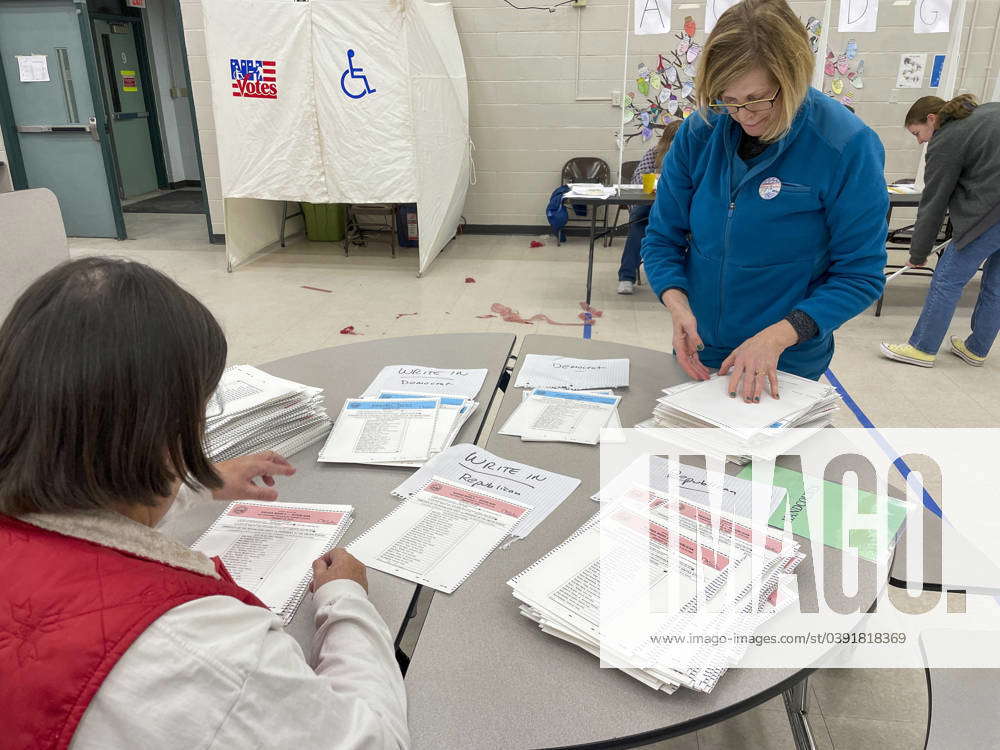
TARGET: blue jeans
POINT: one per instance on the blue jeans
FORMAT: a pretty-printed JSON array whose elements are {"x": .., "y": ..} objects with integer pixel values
[
  {"x": 954, "y": 270},
  {"x": 639, "y": 218}
]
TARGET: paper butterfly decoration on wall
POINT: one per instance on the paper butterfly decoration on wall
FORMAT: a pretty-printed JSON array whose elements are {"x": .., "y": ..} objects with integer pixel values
[
  {"x": 838, "y": 67},
  {"x": 669, "y": 90}
]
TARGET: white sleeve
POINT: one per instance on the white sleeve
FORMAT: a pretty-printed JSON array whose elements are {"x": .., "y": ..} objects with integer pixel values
[
  {"x": 217, "y": 673},
  {"x": 185, "y": 499},
  {"x": 367, "y": 669}
]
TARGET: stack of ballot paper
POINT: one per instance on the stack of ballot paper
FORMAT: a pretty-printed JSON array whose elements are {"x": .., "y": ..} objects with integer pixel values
[
  {"x": 549, "y": 371},
  {"x": 439, "y": 535},
  {"x": 555, "y": 415},
  {"x": 763, "y": 429},
  {"x": 406, "y": 415},
  {"x": 396, "y": 429},
  {"x": 661, "y": 588},
  {"x": 252, "y": 411},
  {"x": 269, "y": 548}
]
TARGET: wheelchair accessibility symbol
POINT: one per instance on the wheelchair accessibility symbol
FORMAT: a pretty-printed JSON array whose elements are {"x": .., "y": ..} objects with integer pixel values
[{"x": 354, "y": 74}]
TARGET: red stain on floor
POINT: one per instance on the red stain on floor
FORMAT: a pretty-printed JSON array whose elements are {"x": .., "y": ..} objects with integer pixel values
[
  {"x": 513, "y": 316},
  {"x": 317, "y": 289},
  {"x": 469, "y": 280},
  {"x": 349, "y": 330},
  {"x": 403, "y": 315}
]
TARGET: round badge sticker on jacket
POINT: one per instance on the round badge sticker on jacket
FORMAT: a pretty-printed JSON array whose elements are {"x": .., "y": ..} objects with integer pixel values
[{"x": 769, "y": 188}]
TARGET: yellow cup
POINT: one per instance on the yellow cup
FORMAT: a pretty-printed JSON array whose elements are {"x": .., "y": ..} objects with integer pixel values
[{"x": 649, "y": 182}]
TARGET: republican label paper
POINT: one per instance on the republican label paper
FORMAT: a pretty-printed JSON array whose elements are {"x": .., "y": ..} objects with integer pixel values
[
  {"x": 439, "y": 536},
  {"x": 269, "y": 548}
]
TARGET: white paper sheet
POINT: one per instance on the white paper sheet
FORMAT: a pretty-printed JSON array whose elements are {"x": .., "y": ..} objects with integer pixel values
[
  {"x": 911, "y": 70},
  {"x": 548, "y": 371},
  {"x": 931, "y": 16},
  {"x": 453, "y": 413},
  {"x": 268, "y": 548},
  {"x": 415, "y": 378},
  {"x": 713, "y": 10},
  {"x": 709, "y": 400},
  {"x": 652, "y": 16},
  {"x": 858, "y": 16},
  {"x": 439, "y": 536},
  {"x": 377, "y": 431},
  {"x": 561, "y": 416},
  {"x": 32, "y": 68},
  {"x": 466, "y": 465}
]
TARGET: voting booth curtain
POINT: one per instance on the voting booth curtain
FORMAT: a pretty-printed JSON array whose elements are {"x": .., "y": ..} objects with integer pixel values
[{"x": 336, "y": 101}]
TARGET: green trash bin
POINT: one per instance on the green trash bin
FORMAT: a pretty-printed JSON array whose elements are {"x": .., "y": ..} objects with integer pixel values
[{"x": 324, "y": 221}]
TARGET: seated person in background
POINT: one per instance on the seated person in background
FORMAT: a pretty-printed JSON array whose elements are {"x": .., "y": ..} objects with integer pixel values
[
  {"x": 962, "y": 178},
  {"x": 650, "y": 163},
  {"x": 113, "y": 635}
]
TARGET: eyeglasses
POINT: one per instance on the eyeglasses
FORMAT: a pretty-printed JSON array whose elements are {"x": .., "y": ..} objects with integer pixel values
[{"x": 758, "y": 105}]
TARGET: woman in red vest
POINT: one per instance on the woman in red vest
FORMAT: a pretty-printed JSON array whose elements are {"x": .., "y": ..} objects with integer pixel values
[{"x": 112, "y": 634}]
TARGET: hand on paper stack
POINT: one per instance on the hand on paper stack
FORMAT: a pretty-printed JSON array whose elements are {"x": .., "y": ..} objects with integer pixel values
[{"x": 763, "y": 430}]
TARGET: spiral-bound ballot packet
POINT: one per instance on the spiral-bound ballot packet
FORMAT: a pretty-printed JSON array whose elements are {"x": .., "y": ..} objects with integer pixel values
[
  {"x": 440, "y": 535},
  {"x": 269, "y": 548}
]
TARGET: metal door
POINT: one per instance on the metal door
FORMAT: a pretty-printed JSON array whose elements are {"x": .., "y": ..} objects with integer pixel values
[
  {"x": 55, "y": 121},
  {"x": 126, "y": 106}
]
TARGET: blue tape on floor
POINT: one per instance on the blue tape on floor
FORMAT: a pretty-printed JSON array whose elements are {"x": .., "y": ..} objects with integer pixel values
[
  {"x": 586, "y": 325},
  {"x": 891, "y": 452}
]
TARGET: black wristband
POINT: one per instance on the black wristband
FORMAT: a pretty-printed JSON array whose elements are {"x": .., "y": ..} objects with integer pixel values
[{"x": 805, "y": 327}]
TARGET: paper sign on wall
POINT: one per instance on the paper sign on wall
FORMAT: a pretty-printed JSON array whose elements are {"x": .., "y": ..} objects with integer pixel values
[
  {"x": 931, "y": 16},
  {"x": 936, "y": 67},
  {"x": 714, "y": 9},
  {"x": 858, "y": 16},
  {"x": 911, "y": 71},
  {"x": 128, "y": 80},
  {"x": 652, "y": 16},
  {"x": 32, "y": 68}
]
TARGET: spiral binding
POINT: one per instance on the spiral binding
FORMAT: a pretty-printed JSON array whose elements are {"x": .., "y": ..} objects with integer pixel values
[{"x": 291, "y": 604}]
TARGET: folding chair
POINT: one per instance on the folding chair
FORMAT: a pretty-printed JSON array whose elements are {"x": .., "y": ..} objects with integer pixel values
[
  {"x": 369, "y": 217},
  {"x": 586, "y": 169}
]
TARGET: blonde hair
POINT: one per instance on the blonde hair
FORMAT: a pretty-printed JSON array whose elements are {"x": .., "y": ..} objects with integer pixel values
[
  {"x": 666, "y": 138},
  {"x": 762, "y": 34},
  {"x": 957, "y": 109}
]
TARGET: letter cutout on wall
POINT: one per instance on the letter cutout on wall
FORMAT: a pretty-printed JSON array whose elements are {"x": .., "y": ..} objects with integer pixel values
[
  {"x": 932, "y": 17},
  {"x": 858, "y": 16},
  {"x": 713, "y": 10},
  {"x": 652, "y": 16}
]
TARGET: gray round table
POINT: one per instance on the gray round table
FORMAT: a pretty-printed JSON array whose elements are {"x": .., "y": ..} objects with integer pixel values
[{"x": 484, "y": 676}]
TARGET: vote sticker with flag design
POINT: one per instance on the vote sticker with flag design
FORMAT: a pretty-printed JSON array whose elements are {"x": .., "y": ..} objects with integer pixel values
[{"x": 770, "y": 188}]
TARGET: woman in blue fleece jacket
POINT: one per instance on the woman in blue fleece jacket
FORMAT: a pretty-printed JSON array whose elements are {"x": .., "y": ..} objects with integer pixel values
[{"x": 771, "y": 231}]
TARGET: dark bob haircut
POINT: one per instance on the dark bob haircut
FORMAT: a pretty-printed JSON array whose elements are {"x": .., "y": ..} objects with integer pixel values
[{"x": 105, "y": 369}]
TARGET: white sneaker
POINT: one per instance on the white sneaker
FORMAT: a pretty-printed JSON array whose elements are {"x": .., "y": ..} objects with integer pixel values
[{"x": 626, "y": 287}]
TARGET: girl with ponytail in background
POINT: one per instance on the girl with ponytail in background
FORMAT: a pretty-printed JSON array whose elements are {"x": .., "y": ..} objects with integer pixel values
[{"x": 962, "y": 177}]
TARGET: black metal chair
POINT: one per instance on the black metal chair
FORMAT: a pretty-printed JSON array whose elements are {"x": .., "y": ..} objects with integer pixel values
[
  {"x": 624, "y": 178},
  {"x": 363, "y": 218},
  {"x": 586, "y": 169}
]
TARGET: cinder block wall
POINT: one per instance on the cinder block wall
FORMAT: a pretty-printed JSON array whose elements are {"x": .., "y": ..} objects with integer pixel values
[{"x": 527, "y": 70}]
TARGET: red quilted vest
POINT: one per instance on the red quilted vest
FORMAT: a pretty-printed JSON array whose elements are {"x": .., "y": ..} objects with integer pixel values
[{"x": 69, "y": 609}]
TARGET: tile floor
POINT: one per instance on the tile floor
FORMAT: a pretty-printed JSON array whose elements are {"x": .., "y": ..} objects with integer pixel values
[{"x": 267, "y": 314}]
